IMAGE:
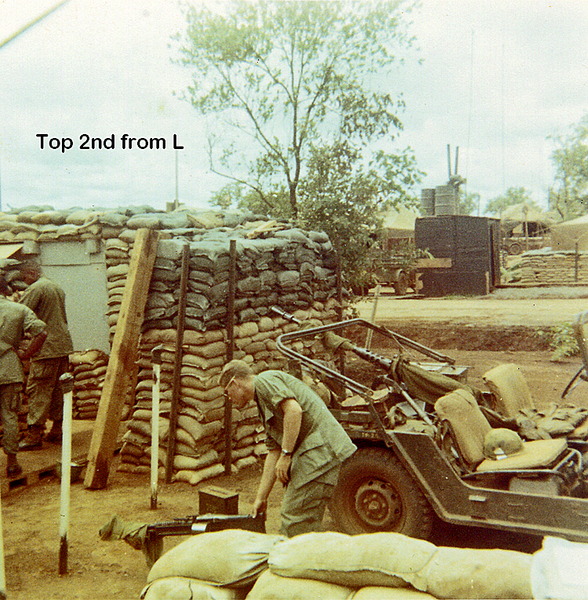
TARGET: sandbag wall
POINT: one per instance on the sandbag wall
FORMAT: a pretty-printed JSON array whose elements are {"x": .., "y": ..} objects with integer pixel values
[
  {"x": 288, "y": 268},
  {"x": 88, "y": 370},
  {"x": 550, "y": 268}
]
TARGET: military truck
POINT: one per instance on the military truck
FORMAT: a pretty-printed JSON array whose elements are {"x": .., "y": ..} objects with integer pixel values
[{"x": 430, "y": 444}]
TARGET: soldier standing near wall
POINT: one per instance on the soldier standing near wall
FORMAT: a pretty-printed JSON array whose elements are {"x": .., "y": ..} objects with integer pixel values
[
  {"x": 16, "y": 321},
  {"x": 47, "y": 300}
]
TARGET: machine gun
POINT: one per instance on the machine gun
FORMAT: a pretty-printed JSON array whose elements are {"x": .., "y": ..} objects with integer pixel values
[
  {"x": 194, "y": 524},
  {"x": 148, "y": 537},
  {"x": 336, "y": 343}
]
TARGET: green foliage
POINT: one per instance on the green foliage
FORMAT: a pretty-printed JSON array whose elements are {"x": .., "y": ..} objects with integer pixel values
[
  {"x": 512, "y": 197},
  {"x": 280, "y": 78},
  {"x": 562, "y": 341},
  {"x": 569, "y": 195},
  {"x": 345, "y": 198},
  {"x": 468, "y": 204},
  {"x": 298, "y": 91}
]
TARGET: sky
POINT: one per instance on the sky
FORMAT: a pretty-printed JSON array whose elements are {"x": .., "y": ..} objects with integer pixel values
[{"x": 495, "y": 78}]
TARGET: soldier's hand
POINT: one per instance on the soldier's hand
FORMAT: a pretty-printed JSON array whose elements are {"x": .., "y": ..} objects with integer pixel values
[
  {"x": 283, "y": 469},
  {"x": 259, "y": 506}
]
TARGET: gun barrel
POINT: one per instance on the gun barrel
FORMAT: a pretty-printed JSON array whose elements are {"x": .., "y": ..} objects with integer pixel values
[
  {"x": 376, "y": 359},
  {"x": 286, "y": 315}
]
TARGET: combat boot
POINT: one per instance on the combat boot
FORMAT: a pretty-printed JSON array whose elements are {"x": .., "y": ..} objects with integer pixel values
[
  {"x": 55, "y": 434},
  {"x": 33, "y": 439},
  {"x": 13, "y": 469}
]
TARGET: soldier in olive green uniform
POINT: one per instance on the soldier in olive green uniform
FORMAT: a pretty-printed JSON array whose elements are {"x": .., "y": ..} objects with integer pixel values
[
  {"x": 306, "y": 443},
  {"x": 16, "y": 321},
  {"x": 47, "y": 300}
]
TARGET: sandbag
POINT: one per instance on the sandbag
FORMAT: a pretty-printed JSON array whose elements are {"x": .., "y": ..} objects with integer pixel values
[
  {"x": 467, "y": 573},
  {"x": 195, "y": 477},
  {"x": 387, "y": 593},
  {"x": 273, "y": 587},
  {"x": 232, "y": 557},
  {"x": 185, "y": 588},
  {"x": 386, "y": 559}
]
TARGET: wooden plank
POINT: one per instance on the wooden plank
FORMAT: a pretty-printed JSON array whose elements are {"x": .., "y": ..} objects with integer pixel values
[
  {"x": 434, "y": 263},
  {"x": 122, "y": 358}
]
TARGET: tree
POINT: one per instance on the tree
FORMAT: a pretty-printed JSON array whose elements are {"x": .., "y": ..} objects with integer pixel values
[
  {"x": 468, "y": 204},
  {"x": 345, "y": 198},
  {"x": 285, "y": 80},
  {"x": 569, "y": 195},
  {"x": 512, "y": 197}
]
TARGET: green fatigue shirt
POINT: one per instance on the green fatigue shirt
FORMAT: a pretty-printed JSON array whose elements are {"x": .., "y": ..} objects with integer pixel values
[
  {"x": 322, "y": 443},
  {"x": 15, "y": 321},
  {"x": 47, "y": 300}
]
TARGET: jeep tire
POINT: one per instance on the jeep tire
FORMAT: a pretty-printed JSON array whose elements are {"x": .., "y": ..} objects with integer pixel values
[{"x": 376, "y": 493}]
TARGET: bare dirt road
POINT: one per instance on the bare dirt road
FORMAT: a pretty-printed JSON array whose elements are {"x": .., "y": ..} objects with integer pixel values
[
  {"x": 534, "y": 307},
  {"x": 496, "y": 328}
]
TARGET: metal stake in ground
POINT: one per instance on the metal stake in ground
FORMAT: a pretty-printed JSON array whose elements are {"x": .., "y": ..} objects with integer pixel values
[
  {"x": 67, "y": 385},
  {"x": 157, "y": 360}
]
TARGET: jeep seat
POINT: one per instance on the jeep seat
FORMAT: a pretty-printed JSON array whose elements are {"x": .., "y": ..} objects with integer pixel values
[
  {"x": 510, "y": 389},
  {"x": 469, "y": 428}
]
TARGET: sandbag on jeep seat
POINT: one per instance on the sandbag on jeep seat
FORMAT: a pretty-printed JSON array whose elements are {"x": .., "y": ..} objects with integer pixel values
[
  {"x": 470, "y": 429},
  {"x": 510, "y": 389}
]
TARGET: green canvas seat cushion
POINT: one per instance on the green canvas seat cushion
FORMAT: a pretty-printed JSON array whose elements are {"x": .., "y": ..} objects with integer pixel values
[
  {"x": 533, "y": 455},
  {"x": 468, "y": 424},
  {"x": 510, "y": 388}
]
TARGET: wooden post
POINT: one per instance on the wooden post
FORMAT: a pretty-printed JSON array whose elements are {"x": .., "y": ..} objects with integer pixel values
[
  {"x": 339, "y": 287},
  {"x": 177, "y": 377},
  {"x": 155, "y": 397},
  {"x": 122, "y": 358},
  {"x": 230, "y": 348}
]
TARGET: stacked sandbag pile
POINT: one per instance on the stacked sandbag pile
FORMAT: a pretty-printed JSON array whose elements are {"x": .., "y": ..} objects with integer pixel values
[
  {"x": 10, "y": 269},
  {"x": 89, "y": 370},
  {"x": 544, "y": 267},
  {"x": 391, "y": 560},
  {"x": 233, "y": 564},
  {"x": 200, "y": 440},
  {"x": 276, "y": 266}
]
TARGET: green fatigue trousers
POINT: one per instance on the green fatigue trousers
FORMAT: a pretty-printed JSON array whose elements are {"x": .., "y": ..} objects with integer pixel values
[
  {"x": 9, "y": 407},
  {"x": 303, "y": 507},
  {"x": 44, "y": 390}
]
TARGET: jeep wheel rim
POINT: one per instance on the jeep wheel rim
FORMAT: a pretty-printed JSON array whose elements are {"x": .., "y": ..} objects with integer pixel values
[{"x": 378, "y": 505}]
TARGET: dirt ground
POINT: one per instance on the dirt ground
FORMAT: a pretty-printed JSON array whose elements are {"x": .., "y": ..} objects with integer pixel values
[{"x": 99, "y": 569}]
